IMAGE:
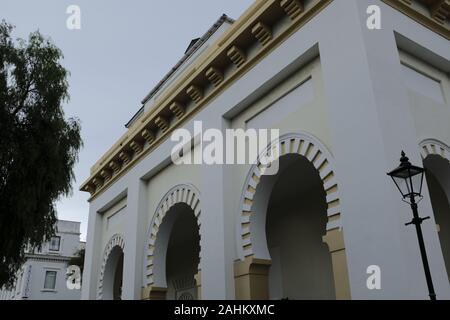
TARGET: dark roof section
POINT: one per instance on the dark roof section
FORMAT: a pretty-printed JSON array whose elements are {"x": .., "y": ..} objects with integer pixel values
[
  {"x": 193, "y": 41},
  {"x": 135, "y": 116},
  {"x": 189, "y": 52}
]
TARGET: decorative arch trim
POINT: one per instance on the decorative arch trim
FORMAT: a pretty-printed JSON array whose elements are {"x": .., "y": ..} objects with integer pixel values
[
  {"x": 183, "y": 193},
  {"x": 430, "y": 147},
  {"x": 312, "y": 149},
  {"x": 115, "y": 241}
]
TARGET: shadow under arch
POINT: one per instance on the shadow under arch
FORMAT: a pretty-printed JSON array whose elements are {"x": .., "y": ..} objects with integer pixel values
[
  {"x": 436, "y": 161},
  {"x": 111, "y": 270}
]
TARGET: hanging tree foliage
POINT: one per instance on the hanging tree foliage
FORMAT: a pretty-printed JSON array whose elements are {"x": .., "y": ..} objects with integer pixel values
[{"x": 38, "y": 146}]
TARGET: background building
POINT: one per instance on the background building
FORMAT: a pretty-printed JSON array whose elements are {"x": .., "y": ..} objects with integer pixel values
[
  {"x": 43, "y": 276},
  {"x": 347, "y": 99}
]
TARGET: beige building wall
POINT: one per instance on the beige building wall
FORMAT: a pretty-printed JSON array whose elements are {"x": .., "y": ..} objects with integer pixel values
[
  {"x": 429, "y": 98},
  {"x": 113, "y": 221},
  {"x": 166, "y": 179}
]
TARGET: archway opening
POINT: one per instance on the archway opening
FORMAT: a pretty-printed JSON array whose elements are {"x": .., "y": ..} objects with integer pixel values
[
  {"x": 183, "y": 252},
  {"x": 438, "y": 181},
  {"x": 113, "y": 275},
  {"x": 296, "y": 219}
]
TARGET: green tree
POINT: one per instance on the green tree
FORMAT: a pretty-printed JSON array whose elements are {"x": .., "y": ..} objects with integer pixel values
[{"x": 38, "y": 146}]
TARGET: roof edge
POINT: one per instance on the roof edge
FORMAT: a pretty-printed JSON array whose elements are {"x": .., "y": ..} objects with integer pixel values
[{"x": 223, "y": 18}]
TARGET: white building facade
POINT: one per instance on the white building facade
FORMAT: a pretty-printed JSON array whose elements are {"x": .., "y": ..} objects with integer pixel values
[
  {"x": 347, "y": 99},
  {"x": 44, "y": 274}
]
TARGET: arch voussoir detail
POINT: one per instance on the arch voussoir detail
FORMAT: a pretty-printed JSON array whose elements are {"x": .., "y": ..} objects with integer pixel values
[
  {"x": 116, "y": 240},
  {"x": 313, "y": 150},
  {"x": 183, "y": 193},
  {"x": 430, "y": 147}
]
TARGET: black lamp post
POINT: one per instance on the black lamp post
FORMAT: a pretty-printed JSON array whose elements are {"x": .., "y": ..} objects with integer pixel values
[{"x": 409, "y": 180}]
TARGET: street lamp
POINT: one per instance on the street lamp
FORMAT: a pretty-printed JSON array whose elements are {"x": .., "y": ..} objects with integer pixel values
[{"x": 409, "y": 180}]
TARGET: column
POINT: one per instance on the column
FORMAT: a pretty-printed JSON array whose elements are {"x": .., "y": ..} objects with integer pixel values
[
  {"x": 217, "y": 227},
  {"x": 335, "y": 241},
  {"x": 252, "y": 279},
  {"x": 92, "y": 254},
  {"x": 135, "y": 233}
]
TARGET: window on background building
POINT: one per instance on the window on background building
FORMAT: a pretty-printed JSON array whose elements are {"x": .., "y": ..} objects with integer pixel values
[
  {"x": 50, "y": 280},
  {"x": 55, "y": 243}
]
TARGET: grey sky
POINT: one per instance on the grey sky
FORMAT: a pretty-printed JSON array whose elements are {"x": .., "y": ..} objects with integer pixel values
[{"x": 122, "y": 50}]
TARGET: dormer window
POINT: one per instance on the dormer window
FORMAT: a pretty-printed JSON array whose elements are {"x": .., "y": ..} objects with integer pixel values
[{"x": 55, "y": 243}]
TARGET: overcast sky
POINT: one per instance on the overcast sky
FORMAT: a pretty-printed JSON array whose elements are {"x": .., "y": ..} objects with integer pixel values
[{"x": 121, "y": 51}]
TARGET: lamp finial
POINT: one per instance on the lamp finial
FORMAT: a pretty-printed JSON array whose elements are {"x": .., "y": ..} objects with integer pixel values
[{"x": 404, "y": 160}]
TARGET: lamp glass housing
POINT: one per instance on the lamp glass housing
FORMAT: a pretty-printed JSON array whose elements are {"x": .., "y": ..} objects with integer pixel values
[{"x": 408, "y": 179}]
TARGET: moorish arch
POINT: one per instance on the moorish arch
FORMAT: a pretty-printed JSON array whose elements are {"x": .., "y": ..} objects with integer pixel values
[
  {"x": 430, "y": 147},
  {"x": 110, "y": 269},
  {"x": 179, "y": 200},
  {"x": 436, "y": 161},
  {"x": 251, "y": 272}
]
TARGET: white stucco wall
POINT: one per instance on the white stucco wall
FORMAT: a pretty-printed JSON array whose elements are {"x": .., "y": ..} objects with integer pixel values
[
  {"x": 361, "y": 109},
  {"x": 429, "y": 98}
]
